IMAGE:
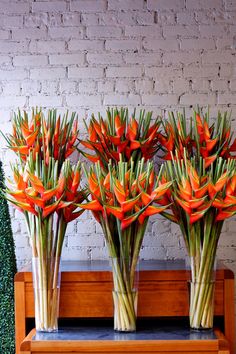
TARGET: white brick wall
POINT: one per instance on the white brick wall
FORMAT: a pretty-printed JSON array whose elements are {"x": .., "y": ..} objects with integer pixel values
[{"x": 85, "y": 54}]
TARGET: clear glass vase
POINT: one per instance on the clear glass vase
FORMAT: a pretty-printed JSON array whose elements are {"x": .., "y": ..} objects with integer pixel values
[
  {"x": 125, "y": 294},
  {"x": 201, "y": 293},
  {"x": 46, "y": 282}
]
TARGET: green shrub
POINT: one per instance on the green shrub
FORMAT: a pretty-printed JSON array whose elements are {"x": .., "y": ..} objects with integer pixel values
[{"x": 7, "y": 272}]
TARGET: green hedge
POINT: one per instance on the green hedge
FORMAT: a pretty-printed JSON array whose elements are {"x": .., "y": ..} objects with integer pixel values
[{"x": 7, "y": 272}]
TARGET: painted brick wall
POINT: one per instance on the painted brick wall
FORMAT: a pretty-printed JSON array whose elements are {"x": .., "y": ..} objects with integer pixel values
[{"x": 87, "y": 54}]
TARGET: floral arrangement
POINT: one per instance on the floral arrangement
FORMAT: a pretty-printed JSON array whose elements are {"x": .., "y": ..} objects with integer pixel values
[
  {"x": 122, "y": 201},
  {"x": 119, "y": 136},
  {"x": 202, "y": 196},
  {"x": 45, "y": 189}
]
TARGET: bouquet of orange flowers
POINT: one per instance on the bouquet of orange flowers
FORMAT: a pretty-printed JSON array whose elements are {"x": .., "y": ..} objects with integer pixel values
[
  {"x": 120, "y": 136},
  {"x": 46, "y": 188},
  {"x": 202, "y": 196},
  {"x": 122, "y": 201}
]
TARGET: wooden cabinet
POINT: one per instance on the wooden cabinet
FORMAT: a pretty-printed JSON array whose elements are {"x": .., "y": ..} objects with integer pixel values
[{"x": 86, "y": 292}]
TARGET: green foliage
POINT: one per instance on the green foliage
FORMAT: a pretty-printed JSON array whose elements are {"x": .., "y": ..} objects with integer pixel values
[{"x": 7, "y": 272}]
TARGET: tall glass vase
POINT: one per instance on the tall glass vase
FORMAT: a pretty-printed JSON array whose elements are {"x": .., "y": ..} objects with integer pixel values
[
  {"x": 125, "y": 294},
  {"x": 202, "y": 290},
  {"x": 46, "y": 282}
]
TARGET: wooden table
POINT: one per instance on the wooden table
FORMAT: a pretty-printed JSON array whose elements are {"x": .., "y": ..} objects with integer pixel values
[
  {"x": 103, "y": 339},
  {"x": 86, "y": 292}
]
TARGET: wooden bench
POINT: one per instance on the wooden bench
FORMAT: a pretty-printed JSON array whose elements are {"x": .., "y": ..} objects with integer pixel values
[
  {"x": 163, "y": 293},
  {"x": 146, "y": 340}
]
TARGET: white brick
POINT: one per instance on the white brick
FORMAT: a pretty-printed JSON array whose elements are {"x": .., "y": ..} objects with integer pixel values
[
  {"x": 143, "y": 31},
  {"x": 145, "y": 18},
  {"x": 232, "y": 85},
  {"x": 121, "y": 100},
  {"x": 54, "y": 19},
  {"x": 220, "y": 85},
  {"x": 29, "y": 87},
  {"x": 66, "y": 59},
  {"x": 196, "y": 44},
  {"x": 4, "y": 34},
  {"x": 143, "y": 85},
  {"x": 75, "y": 253},
  {"x": 200, "y": 85},
  {"x": 124, "y": 86},
  {"x": 159, "y": 100},
  {"x": 49, "y": 6},
  {"x": 11, "y": 7},
  {"x": 87, "y": 239},
  {"x": 14, "y": 21},
  {"x": 230, "y": 5},
  {"x": 91, "y": 45},
  {"x": 122, "y": 45},
  {"x": 11, "y": 88},
  {"x": 146, "y": 58},
  {"x": 201, "y": 99},
  {"x": 5, "y": 60},
  {"x": 45, "y": 101},
  {"x": 226, "y": 98},
  {"x": 88, "y": 5},
  {"x": 227, "y": 70},
  {"x": 127, "y": 18},
  {"x": 68, "y": 86},
  {"x": 206, "y": 17},
  {"x": 158, "y": 5},
  {"x": 84, "y": 73},
  {"x": 161, "y": 44},
  {"x": 121, "y": 71},
  {"x": 103, "y": 32},
  {"x": 36, "y": 20},
  {"x": 66, "y": 32},
  {"x": 216, "y": 56},
  {"x": 109, "y": 18},
  {"x": 186, "y": 18},
  {"x": 13, "y": 47},
  {"x": 89, "y": 19},
  {"x": 106, "y": 86},
  {"x": 109, "y": 58},
  {"x": 212, "y": 31},
  {"x": 163, "y": 72},
  {"x": 83, "y": 100},
  {"x": 166, "y": 18},
  {"x": 49, "y": 47},
  {"x": 182, "y": 57},
  {"x": 180, "y": 30},
  {"x": 195, "y": 71},
  {"x": 49, "y": 88},
  {"x": 120, "y": 5},
  {"x": 30, "y": 60},
  {"x": 180, "y": 86},
  {"x": 71, "y": 19},
  {"x": 9, "y": 101},
  {"x": 15, "y": 74},
  {"x": 162, "y": 86},
  {"x": 204, "y": 4},
  {"x": 224, "y": 43},
  {"x": 87, "y": 86},
  {"x": 26, "y": 33},
  {"x": 52, "y": 73}
]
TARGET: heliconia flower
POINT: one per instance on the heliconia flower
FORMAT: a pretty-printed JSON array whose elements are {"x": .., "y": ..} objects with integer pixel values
[
  {"x": 120, "y": 136},
  {"x": 124, "y": 194},
  {"x": 200, "y": 139}
]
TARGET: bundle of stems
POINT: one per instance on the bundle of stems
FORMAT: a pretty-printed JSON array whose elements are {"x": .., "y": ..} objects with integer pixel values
[
  {"x": 201, "y": 199},
  {"x": 120, "y": 135},
  {"x": 45, "y": 189},
  {"x": 122, "y": 201}
]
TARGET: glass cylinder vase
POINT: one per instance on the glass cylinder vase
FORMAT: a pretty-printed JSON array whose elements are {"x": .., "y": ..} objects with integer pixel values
[
  {"x": 125, "y": 294},
  {"x": 201, "y": 293},
  {"x": 46, "y": 282}
]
